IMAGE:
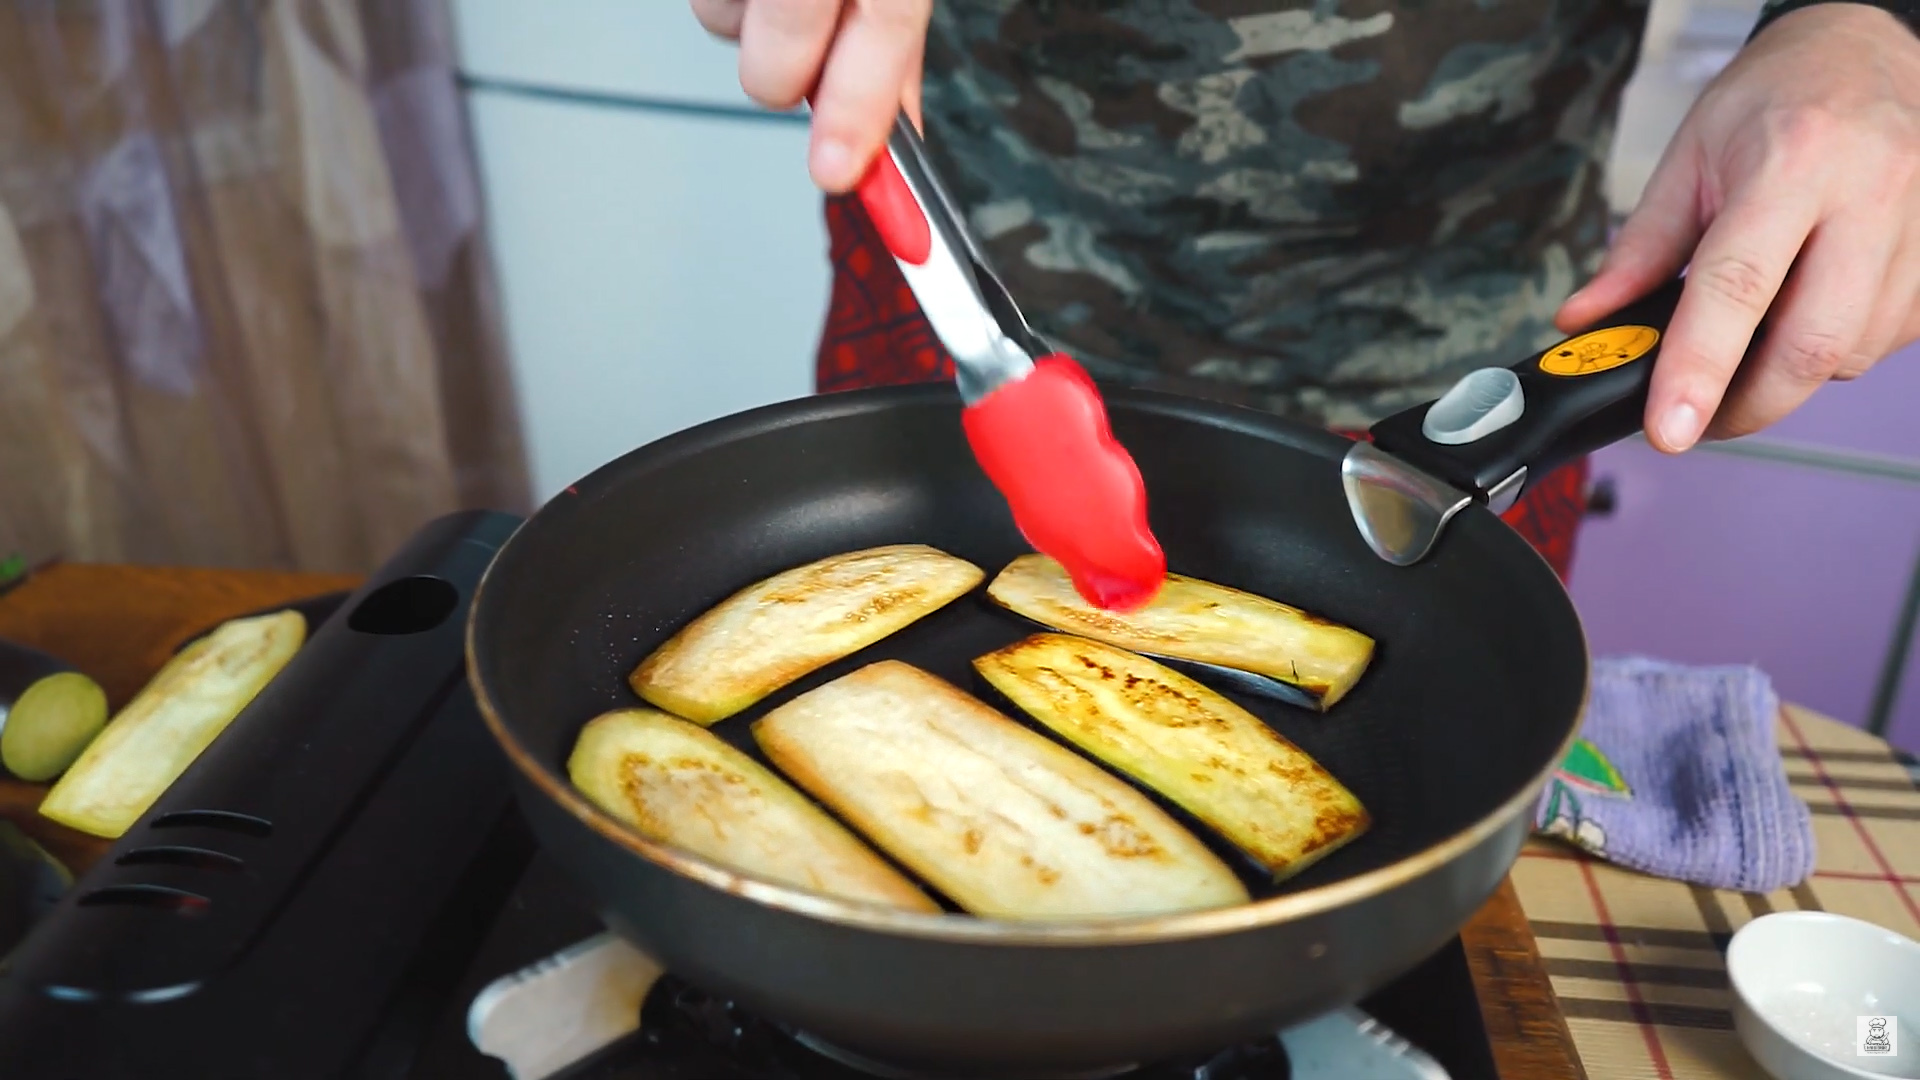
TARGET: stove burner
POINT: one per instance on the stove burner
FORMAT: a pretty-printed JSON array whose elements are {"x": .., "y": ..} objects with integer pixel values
[
  {"x": 680, "y": 1017},
  {"x": 867, "y": 1066},
  {"x": 602, "y": 1010}
]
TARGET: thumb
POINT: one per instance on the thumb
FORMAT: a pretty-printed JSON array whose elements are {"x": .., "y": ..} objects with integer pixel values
[
  {"x": 1657, "y": 239},
  {"x": 910, "y": 93}
]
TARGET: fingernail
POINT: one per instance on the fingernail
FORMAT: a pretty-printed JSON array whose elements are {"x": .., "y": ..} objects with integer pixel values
[
  {"x": 832, "y": 160},
  {"x": 1680, "y": 427}
]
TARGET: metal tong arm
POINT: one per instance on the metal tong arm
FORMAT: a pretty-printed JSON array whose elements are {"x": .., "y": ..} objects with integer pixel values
[{"x": 969, "y": 309}]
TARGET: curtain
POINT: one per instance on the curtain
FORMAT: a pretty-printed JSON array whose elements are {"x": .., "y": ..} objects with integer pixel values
[{"x": 247, "y": 317}]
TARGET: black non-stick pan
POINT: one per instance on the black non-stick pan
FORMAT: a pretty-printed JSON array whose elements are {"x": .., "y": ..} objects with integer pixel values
[{"x": 1475, "y": 693}]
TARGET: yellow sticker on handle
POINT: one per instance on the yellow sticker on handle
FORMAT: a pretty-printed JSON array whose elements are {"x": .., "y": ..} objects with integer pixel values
[{"x": 1599, "y": 350}]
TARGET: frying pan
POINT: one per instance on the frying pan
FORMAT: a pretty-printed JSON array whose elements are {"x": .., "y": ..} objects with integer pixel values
[{"x": 1474, "y": 695}]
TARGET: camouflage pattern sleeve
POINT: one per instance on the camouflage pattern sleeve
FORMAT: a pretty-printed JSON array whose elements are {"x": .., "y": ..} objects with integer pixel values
[
  {"x": 1907, "y": 11},
  {"x": 1328, "y": 209}
]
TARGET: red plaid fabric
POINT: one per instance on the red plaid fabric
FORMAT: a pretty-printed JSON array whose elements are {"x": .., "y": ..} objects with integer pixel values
[{"x": 876, "y": 336}]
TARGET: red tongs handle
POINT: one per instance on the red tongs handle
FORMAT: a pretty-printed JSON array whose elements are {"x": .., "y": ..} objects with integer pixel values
[
  {"x": 889, "y": 202},
  {"x": 895, "y": 213}
]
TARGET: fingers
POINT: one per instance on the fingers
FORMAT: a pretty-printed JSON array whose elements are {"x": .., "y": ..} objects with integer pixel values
[
  {"x": 1819, "y": 326},
  {"x": 721, "y": 18},
  {"x": 871, "y": 70},
  {"x": 782, "y": 44},
  {"x": 1733, "y": 278},
  {"x": 910, "y": 97},
  {"x": 1653, "y": 243},
  {"x": 1896, "y": 319},
  {"x": 856, "y": 62},
  {"x": 1911, "y": 331}
]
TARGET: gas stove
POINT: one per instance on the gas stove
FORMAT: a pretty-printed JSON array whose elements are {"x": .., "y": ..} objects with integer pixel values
[
  {"x": 551, "y": 996},
  {"x": 374, "y": 907}
]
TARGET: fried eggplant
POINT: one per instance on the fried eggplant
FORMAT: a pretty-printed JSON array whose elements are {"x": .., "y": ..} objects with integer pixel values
[
  {"x": 1201, "y": 751},
  {"x": 678, "y": 784},
  {"x": 145, "y": 748},
  {"x": 1190, "y": 619},
  {"x": 789, "y": 625},
  {"x": 1003, "y": 820}
]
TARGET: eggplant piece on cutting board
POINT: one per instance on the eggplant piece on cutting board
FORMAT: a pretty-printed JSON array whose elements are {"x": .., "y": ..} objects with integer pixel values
[
  {"x": 21, "y": 667},
  {"x": 49, "y": 713},
  {"x": 31, "y": 881}
]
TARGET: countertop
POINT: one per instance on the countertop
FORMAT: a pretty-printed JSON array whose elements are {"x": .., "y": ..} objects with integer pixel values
[
  {"x": 1582, "y": 969},
  {"x": 1638, "y": 963}
]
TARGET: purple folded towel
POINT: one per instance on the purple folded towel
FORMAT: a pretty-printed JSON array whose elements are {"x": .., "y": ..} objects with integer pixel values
[{"x": 1676, "y": 774}]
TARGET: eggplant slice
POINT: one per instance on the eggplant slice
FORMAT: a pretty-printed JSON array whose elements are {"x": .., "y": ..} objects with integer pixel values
[
  {"x": 678, "y": 784},
  {"x": 144, "y": 749},
  {"x": 1201, "y": 751},
  {"x": 796, "y": 622},
  {"x": 1004, "y": 821},
  {"x": 1198, "y": 621}
]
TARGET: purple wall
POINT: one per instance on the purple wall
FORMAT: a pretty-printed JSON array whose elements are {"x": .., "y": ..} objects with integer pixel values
[
  {"x": 1710, "y": 558},
  {"x": 1714, "y": 559},
  {"x": 1871, "y": 414}
]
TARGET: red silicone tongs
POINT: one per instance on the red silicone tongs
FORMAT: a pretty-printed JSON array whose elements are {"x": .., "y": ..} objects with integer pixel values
[{"x": 1033, "y": 416}]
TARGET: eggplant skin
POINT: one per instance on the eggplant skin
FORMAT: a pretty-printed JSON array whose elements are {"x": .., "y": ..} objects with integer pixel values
[
  {"x": 20, "y": 668},
  {"x": 1004, "y": 821},
  {"x": 145, "y": 748},
  {"x": 794, "y": 623},
  {"x": 1219, "y": 762},
  {"x": 678, "y": 784},
  {"x": 1191, "y": 619},
  {"x": 50, "y": 725}
]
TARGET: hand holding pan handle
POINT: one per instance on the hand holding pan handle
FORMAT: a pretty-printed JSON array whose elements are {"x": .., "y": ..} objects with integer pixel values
[{"x": 1497, "y": 428}]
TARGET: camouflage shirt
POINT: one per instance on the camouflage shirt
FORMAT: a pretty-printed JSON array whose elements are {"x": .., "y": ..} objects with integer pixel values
[{"x": 1329, "y": 209}]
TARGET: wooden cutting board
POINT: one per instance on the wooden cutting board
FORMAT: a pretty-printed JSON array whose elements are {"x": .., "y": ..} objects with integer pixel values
[{"x": 119, "y": 624}]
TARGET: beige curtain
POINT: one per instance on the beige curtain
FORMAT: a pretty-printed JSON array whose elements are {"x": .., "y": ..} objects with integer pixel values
[{"x": 246, "y": 311}]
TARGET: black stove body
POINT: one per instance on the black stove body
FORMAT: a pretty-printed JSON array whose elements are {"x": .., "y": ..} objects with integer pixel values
[{"x": 329, "y": 886}]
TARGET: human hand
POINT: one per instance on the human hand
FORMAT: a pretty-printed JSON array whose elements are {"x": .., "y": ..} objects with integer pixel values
[
  {"x": 1792, "y": 185},
  {"x": 856, "y": 62}
]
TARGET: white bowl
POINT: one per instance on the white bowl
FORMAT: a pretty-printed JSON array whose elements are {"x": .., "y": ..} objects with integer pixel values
[{"x": 1802, "y": 981}]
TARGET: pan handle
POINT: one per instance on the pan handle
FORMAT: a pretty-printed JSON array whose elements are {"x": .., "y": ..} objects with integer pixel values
[{"x": 1499, "y": 428}]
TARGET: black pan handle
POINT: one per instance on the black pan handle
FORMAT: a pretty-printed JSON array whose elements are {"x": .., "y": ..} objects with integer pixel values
[{"x": 1500, "y": 428}]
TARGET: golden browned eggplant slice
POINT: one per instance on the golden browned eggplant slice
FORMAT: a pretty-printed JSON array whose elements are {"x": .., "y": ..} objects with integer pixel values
[
  {"x": 678, "y": 784},
  {"x": 1190, "y": 619},
  {"x": 144, "y": 749},
  {"x": 771, "y": 633},
  {"x": 1006, "y": 822},
  {"x": 1205, "y": 753}
]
